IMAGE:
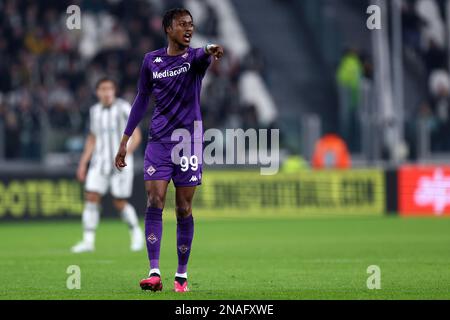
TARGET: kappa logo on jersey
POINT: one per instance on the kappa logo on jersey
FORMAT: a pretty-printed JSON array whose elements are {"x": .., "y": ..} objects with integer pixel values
[
  {"x": 158, "y": 60},
  {"x": 193, "y": 179},
  {"x": 152, "y": 238},
  {"x": 184, "y": 56},
  {"x": 175, "y": 71},
  {"x": 151, "y": 170}
]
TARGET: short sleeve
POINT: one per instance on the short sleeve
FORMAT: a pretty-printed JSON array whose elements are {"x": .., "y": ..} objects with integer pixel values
[
  {"x": 126, "y": 109},
  {"x": 92, "y": 126}
]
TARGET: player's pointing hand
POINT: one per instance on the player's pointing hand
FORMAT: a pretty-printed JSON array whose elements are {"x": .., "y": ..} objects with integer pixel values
[{"x": 215, "y": 50}]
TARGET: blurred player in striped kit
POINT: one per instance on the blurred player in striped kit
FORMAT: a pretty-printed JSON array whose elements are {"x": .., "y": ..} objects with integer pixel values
[{"x": 108, "y": 119}]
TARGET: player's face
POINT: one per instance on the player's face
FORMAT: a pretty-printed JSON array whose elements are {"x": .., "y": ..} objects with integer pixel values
[
  {"x": 106, "y": 93},
  {"x": 182, "y": 30}
]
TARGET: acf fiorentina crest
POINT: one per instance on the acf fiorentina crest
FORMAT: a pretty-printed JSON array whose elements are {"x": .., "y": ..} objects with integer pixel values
[
  {"x": 183, "y": 249},
  {"x": 152, "y": 238}
]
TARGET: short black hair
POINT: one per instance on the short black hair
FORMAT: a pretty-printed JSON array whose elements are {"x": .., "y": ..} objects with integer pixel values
[
  {"x": 171, "y": 14},
  {"x": 106, "y": 79}
]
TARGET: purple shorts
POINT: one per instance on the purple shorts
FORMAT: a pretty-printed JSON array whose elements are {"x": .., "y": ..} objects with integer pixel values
[{"x": 185, "y": 170}]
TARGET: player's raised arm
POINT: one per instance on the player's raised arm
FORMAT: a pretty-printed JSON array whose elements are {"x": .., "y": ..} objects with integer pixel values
[
  {"x": 202, "y": 59},
  {"x": 138, "y": 109},
  {"x": 214, "y": 50}
]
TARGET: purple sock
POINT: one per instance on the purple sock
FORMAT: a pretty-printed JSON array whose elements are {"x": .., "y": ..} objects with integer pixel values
[
  {"x": 153, "y": 234},
  {"x": 185, "y": 234}
]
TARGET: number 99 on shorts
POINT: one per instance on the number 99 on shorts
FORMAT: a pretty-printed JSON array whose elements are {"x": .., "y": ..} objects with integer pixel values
[{"x": 187, "y": 163}]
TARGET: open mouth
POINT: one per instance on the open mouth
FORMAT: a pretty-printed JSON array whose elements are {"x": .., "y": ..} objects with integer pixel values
[{"x": 187, "y": 37}]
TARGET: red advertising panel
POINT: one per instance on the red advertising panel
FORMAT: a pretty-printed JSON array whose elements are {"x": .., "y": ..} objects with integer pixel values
[{"x": 424, "y": 190}]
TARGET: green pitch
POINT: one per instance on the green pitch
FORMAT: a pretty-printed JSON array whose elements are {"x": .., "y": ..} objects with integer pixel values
[{"x": 237, "y": 259}]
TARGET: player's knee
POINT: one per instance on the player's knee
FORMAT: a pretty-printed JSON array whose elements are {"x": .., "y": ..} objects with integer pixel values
[
  {"x": 155, "y": 201},
  {"x": 119, "y": 204},
  {"x": 92, "y": 197},
  {"x": 183, "y": 210}
]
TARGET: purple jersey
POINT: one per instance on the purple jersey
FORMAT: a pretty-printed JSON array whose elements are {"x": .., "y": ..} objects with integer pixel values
[{"x": 175, "y": 82}]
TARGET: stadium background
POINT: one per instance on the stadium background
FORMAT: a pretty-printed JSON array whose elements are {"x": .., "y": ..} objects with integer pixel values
[{"x": 311, "y": 68}]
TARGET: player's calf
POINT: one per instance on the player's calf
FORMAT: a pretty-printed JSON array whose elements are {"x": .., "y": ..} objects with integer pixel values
[
  {"x": 90, "y": 219},
  {"x": 129, "y": 216}
]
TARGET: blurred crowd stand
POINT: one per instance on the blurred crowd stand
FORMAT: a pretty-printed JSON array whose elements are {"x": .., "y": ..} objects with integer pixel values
[
  {"x": 424, "y": 29},
  {"x": 49, "y": 72},
  {"x": 425, "y": 25},
  {"x": 358, "y": 117}
]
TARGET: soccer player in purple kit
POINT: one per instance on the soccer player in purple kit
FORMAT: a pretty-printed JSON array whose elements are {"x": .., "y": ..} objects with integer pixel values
[{"x": 174, "y": 76}]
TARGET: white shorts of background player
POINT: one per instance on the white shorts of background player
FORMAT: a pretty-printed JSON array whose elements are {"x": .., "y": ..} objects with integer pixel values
[{"x": 118, "y": 183}]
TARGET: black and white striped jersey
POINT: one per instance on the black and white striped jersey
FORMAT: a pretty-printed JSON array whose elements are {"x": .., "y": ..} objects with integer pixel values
[{"x": 107, "y": 124}]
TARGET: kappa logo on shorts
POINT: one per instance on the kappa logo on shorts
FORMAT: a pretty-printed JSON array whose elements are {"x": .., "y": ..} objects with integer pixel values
[
  {"x": 193, "y": 179},
  {"x": 152, "y": 238},
  {"x": 183, "y": 249},
  {"x": 151, "y": 170}
]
